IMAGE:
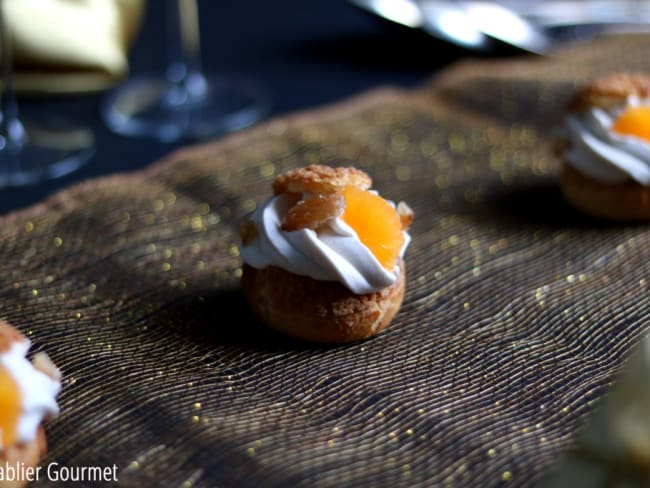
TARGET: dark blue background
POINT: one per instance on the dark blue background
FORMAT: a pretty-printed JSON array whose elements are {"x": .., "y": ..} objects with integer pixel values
[{"x": 307, "y": 52}]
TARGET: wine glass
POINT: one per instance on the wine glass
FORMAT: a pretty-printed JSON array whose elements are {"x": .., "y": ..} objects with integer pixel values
[
  {"x": 185, "y": 103},
  {"x": 32, "y": 151}
]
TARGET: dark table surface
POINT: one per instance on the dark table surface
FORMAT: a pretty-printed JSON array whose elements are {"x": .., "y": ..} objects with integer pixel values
[{"x": 308, "y": 54}]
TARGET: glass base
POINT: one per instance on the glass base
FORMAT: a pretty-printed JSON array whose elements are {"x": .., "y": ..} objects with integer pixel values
[
  {"x": 42, "y": 153},
  {"x": 198, "y": 108}
]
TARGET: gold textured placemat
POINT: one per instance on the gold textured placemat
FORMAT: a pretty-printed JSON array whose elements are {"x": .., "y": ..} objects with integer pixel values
[{"x": 518, "y": 311}]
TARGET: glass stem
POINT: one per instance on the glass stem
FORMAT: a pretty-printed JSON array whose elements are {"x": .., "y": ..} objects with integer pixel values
[
  {"x": 184, "y": 69},
  {"x": 12, "y": 133}
]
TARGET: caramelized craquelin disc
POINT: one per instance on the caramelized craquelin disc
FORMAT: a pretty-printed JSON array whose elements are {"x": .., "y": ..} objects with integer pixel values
[
  {"x": 322, "y": 188},
  {"x": 634, "y": 121},
  {"x": 9, "y": 408},
  {"x": 320, "y": 179},
  {"x": 376, "y": 222}
]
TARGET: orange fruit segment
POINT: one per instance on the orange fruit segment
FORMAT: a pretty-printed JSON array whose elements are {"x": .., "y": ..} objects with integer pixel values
[
  {"x": 376, "y": 223},
  {"x": 634, "y": 121},
  {"x": 9, "y": 408}
]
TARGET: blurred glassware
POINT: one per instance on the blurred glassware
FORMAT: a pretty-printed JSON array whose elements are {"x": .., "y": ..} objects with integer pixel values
[
  {"x": 185, "y": 103},
  {"x": 532, "y": 26},
  {"x": 29, "y": 151}
]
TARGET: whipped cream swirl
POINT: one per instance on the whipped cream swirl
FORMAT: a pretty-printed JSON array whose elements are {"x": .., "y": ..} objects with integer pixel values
[
  {"x": 603, "y": 154},
  {"x": 37, "y": 390},
  {"x": 334, "y": 253}
]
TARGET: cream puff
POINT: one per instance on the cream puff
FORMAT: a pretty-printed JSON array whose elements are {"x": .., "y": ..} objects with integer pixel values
[
  {"x": 323, "y": 257},
  {"x": 605, "y": 170},
  {"x": 28, "y": 393}
]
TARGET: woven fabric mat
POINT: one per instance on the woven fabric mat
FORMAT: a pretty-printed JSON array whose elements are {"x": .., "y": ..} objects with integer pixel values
[{"x": 518, "y": 314}]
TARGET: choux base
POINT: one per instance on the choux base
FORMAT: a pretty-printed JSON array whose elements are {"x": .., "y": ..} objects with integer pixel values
[
  {"x": 319, "y": 311},
  {"x": 628, "y": 201}
]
